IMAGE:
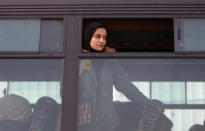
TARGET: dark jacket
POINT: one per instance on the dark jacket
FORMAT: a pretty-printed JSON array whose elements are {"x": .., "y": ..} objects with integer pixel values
[
  {"x": 45, "y": 115},
  {"x": 96, "y": 87}
]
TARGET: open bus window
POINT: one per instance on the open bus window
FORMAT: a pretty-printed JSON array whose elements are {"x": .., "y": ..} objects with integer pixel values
[{"x": 138, "y": 35}]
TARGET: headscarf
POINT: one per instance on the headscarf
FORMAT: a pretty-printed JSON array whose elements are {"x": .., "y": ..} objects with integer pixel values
[
  {"x": 197, "y": 127},
  {"x": 45, "y": 115},
  {"x": 88, "y": 34},
  {"x": 14, "y": 107}
]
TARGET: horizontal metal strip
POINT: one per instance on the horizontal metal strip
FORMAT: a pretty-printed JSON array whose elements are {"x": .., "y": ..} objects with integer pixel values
[
  {"x": 140, "y": 55},
  {"x": 107, "y": 14},
  {"x": 184, "y": 106},
  {"x": 30, "y": 55},
  {"x": 104, "y": 7}
]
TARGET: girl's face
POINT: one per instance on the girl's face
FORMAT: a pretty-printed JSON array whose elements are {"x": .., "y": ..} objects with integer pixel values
[{"x": 98, "y": 40}]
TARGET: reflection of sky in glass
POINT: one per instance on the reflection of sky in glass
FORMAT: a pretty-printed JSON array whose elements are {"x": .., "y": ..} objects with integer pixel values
[
  {"x": 194, "y": 34},
  {"x": 25, "y": 34},
  {"x": 196, "y": 92},
  {"x": 33, "y": 90},
  {"x": 169, "y": 92},
  {"x": 3, "y": 85},
  {"x": 174, "y": 93},
  {"x": 118, "y": 96},
  {"x": 183, "y": 119},
  {"x": 142, "y": 86}
]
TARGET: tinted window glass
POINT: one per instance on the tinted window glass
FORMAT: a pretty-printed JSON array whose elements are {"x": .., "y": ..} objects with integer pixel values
[
  {"x": 136, "y": 82},
  {"x": 31, "y": 35},
  {"x": 195, "y": 92},
  {"x": 51, "y": 36},
  {"x": 19, "y": 34},
  {"x": 184, "y": 119},
  {"x": 194, "y": 32},
  {"x": 30, "y": 94},
  {"x": 189, "y": 34}
]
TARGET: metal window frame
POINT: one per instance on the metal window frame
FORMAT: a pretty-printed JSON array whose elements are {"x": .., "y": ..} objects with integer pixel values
[{"x": 73, "y": 12}]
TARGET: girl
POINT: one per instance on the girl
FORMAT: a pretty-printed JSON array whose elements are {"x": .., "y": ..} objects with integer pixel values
[{"x": 96, "y": 80}]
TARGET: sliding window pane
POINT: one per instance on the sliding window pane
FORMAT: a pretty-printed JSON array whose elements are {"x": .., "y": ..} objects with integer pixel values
[
  {"x": 189, "y": 34},
  {"x": 32, "y": 35},
  {"x": 194, "y": 32},
  {"x": 51, "y": 36},
  {"x": 19, "y": 34}
]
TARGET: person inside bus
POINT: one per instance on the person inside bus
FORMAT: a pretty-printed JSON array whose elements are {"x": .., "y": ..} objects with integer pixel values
[
  {"x": 15, "y": 113},
  {"x": 96, "y": 79},
  {"x": 197, "y": 127},
  {"x": 134, "y": 116}
]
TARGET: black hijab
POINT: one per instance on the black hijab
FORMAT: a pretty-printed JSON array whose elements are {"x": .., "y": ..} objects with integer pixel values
[{"x": 88, "y": 34}]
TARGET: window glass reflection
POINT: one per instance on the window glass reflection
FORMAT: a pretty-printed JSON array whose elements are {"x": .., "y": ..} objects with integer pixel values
[
  {"x": 115, "y": 94},
  {"x": 118, "y": 96},
  {"x": 185, "y": 118},
  {"x": 194, "y": 34},
  {"x": 96, "y": 107},
  {"x": 19, "y": 34},
  {"x": 195, "y": 92},
  {"x": 51, "y": 36},
  {"x": 169, "y": 92},
  {"x": 30, "y": 94},
  {"x": 3, "y": 87},
  {"x": 31, "y": 35},
  {"x": 144, "y": 87},
  {"x": 33, "y": 90}
]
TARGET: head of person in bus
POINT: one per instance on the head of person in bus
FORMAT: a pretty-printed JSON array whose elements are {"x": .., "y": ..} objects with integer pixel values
[
  {"x": 14, "y": 107},
  {"x": 95, "y": 37},
  {"x": 197, "y": 127}
]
